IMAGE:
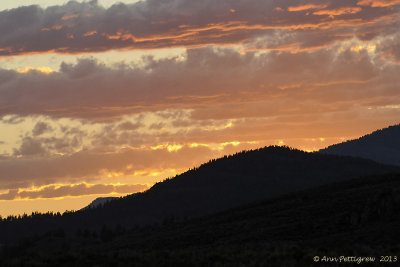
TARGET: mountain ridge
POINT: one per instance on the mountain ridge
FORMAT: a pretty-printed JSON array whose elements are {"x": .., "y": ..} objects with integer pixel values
[
  {"x": 382, "y": 146},
  {"x": 215, "y": 186},
  {"x": 98, "y": 202}
]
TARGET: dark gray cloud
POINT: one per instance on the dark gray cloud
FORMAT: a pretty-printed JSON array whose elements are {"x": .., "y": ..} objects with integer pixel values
[
  {"x": 87, "y": 27},
  {"x": 157, "y": 126},
  {"x": 129, "y": 126},
  {"x": 60, "y": 140},
  {"x": 40, "y": 128},
  {"x": 29, "y": 147},
  {"x": 391, "y": 48}
]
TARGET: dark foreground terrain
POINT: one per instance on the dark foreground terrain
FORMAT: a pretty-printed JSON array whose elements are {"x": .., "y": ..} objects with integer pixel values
[
  {"x": 218, "y": 185},
  {"x": 274, "y": 206},
  {"x": 358, "y": 218}
]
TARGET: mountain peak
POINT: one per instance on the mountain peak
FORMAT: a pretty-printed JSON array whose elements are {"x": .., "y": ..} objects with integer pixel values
[
  {"x": 98, "y": 202},
  {"x": 382, "y": 146}
]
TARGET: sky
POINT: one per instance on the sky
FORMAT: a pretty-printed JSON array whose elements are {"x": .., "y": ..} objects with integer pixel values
[{"x": 99, "y": 98}]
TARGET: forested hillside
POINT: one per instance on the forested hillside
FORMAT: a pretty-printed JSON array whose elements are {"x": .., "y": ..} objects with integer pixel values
[
  {"x": 353, "y": 218},
  {"x": 220, "y": 184},
  {"x": 381, "y": 146}
]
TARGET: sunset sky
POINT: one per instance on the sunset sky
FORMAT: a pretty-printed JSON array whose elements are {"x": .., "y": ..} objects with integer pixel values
[{"x": 99, "y": 98}]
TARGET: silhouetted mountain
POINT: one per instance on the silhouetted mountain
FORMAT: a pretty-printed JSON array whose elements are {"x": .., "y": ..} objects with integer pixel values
[
  {"x": 360, "y": 217},
  {"x": 99, "y": 202},
  {"x": 381, "y": 146},
  {"x": 215, "y": 186}
]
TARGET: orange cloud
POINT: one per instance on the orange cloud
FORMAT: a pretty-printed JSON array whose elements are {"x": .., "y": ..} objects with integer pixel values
[
  {"x": 339, "y": 11},
  {"x": 90, "y": 33},
  {"x": 68, "y": 17},
  {"x": 305, "y": 7},
  {"x": 55, "y": 27},
  {"x": 61, "y": 191},
  {"x": 45, "y": 70},
  {"x": 378, "y": 3}
]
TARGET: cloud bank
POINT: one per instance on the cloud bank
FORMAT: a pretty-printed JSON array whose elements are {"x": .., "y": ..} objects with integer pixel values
[
  {"x": 283, "y": 83},
  {"x": 87, "y": 27}
]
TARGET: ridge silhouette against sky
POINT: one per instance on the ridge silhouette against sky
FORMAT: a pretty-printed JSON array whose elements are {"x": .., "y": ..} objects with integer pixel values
[
  {"x": 381, "y": 146},
  {"x": 101, "y": 99},
  {"x": 217, "y": 185}
]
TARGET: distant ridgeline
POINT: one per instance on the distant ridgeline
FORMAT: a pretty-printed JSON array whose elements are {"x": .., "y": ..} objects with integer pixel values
[
  {"x": 99, "y": 202},
  {"x": 381, "y": 146},
  {"x": 218, "y": 185}
]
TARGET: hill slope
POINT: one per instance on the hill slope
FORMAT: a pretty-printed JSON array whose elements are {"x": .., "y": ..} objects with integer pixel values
[
  {"x": 215, "y": 186},
  {"x": 239, "y": 179},
  {"x": 381, "y": 146},
  {"x": 99, "y": 202},
  {"x": 357, "y": 217}
]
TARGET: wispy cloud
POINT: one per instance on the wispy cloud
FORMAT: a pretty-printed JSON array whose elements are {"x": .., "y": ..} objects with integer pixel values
[{"x": 378, "y": 3}]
